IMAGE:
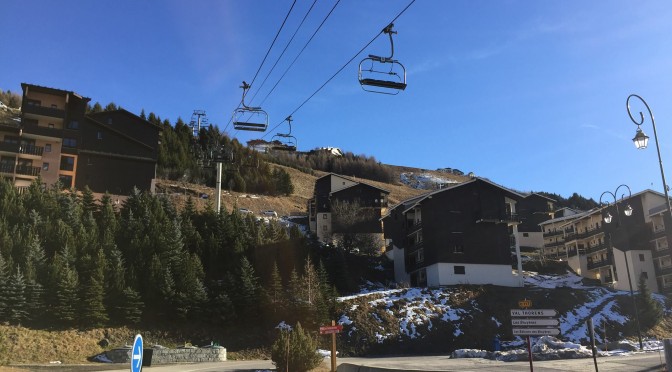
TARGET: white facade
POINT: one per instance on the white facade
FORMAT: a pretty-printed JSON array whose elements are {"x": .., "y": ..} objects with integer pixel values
[
  {"x": 531, "y": 239},
  {"x": 323, "y": 227},
  {"x": 400, "y": 275},
  {"x": 477, "y": 274},
  {"x": 639, "y": 263}
]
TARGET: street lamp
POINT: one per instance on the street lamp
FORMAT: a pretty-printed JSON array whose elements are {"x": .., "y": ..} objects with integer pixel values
[
  {"x": 607, "y": 219},
  {"x": 641, "y": 140}
]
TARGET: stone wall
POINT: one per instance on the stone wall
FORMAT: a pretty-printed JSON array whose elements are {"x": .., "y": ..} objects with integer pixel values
[{"x": 169, "y": 356}]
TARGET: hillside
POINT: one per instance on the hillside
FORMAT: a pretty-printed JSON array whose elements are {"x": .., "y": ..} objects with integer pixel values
[{"x": 295, "y": 204}]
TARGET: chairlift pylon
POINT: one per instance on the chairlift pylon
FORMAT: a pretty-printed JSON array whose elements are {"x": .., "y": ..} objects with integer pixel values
[
  {"x": 249, "y": 118},
  {"x": 284, "y": 141},
  {"x": 383, "y": 74}
]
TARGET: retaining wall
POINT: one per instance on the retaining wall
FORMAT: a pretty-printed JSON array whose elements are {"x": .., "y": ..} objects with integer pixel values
[{"x": 169, "y": 356}]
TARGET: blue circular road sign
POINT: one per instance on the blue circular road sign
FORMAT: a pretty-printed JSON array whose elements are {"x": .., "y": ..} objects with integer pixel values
[{"x": 136, "y": 354}]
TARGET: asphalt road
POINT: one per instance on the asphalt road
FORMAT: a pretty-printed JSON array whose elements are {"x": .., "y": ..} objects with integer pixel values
[{"x": 639, "y": 362}]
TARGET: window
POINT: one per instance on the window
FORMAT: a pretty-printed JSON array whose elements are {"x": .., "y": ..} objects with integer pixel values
[
  {"x": 324, "y": 216},
  {"x": 45, "y": 166},
  {"x": 73, "y": 124},
  {"x": 66, "y": 181},
  {"x": 325, "y": 228},
  {"x": 459, "y": 270},
  {"x": 53, "y": 105},
  {"x": 69, "y": 142},
  {"x": 100, "y": 135},
  {"x": 109, "y": 121},
  {"x": 67, "y": 163},
  {"x": 644, "y": 275},
  {"x": 458, "y": 248},
  {"x": 50, "y": 125},
  {"x": 420, "y": 255},
  {"x": 526, "y": 235},
  {"x": 47, "y": 147},
  {"x": 641, "y": 257}
]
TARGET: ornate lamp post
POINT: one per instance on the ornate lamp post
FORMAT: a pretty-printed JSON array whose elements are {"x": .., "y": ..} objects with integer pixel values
[
  {"x": 641, "y": 140},
  {"x": 607, "y": 219}
]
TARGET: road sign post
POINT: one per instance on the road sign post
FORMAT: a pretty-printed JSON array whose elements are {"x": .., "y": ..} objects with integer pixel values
[
  {"x": 136, "y": 354},
  {"x": 533, "y": 322},
  {"x": 333, "y": 329}
]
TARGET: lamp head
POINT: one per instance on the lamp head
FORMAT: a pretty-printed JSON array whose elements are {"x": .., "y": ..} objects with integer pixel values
[
  {"x": 641, "y": 140},
  {"x": 607, "y": 218},
  {"x": 628, "y": 211}
]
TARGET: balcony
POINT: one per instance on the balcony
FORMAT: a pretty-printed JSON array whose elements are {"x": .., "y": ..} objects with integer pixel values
[
  {"x": 508, "y": 218},
  {"x": 28, "y": 170},
  {"x": 656, "y": 253},
  {"x": 592, "y": 265},
  {"x": 31, "y": 150},
  {"x": 552, "y": 233},
  {"x": 554, "y": 244},
  {"x": 412, "y": 227},
  {"x": 570, "y": 235},
  {"x": 34, "y": 129},
  {"x": 9, "y": 147},
  {"x": 590, "y": 232},
  {"x": 43, "y": 111},
  {"x": 571, "y": 252},
  {"x": 595, "y": 248},
  {"x": 658, "y": 231},
  {"x": 6, "y": 168},
  {"x": 664, "y": 271}
]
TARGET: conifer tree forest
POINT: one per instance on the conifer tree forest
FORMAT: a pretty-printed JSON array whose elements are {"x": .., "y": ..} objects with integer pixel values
[{"x": 69, "y": 260}]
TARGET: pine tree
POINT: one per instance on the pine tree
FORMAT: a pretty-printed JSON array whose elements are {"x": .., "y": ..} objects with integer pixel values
[
  {"x": 248, "y": 290},
  {"x": 17, "y": 310},
  {"x": 65, "y": 307},
  {"x": 295, "y": 351},
  {"x": 130, "y": 307},
  {"x": 650, "y": 310},
  {"x": 35, "y": 302},
  {"x": 275, "y": 288},
  {"x": 4, "y": 276}
]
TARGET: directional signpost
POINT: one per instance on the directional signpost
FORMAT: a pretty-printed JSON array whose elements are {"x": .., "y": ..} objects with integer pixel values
[
  {"x": 332, "y": 330},
  {"x": 136, "y": 354},
  {"x": 533, "y": 322}
]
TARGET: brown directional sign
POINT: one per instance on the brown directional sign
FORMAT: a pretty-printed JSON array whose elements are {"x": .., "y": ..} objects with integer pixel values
[
  {"x": 325, "y": 330},
  {"x": 535, "y": 331},
  {"x": 534, "y": 312},
  {"x": 534, "y": 322}
]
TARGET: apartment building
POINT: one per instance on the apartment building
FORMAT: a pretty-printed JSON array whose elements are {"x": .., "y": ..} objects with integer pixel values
[
  {"x": 56, "y": 140},
  {"x": 333, "y": 190},
  {"x": 618, "y": 252},
  {"x": 462, "y": 234}
]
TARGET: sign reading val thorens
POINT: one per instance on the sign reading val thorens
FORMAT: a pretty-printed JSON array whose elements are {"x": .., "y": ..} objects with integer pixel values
[{"x": 534, "y": 312}]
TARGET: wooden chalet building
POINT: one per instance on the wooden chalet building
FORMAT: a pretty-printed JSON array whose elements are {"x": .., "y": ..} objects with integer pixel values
[
  {"x": 334, "y": 189},
  {"x": 462, "y": 234},
  {"x": 56, "y": 140}
]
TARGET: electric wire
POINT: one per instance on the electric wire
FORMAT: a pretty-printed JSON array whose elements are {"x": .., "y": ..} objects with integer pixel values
[
  {"x": 339, "y": 70},
  {"x": 284, "y": 50},
  {"x": 300, "y": 52},
  {"x": 266, "y": 56}
]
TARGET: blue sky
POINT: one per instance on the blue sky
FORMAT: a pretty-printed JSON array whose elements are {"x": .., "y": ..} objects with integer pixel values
[{"x": 530, "y": 94}]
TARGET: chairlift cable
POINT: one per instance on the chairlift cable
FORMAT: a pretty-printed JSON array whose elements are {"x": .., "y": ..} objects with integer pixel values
[
  {"x": 273, "y": 43},
  {"x": 302, "y": 49},
  {"x": 341, "y": 69},
  {"x": 266, "y": 56},
  {"x": 284, "y": 50}
]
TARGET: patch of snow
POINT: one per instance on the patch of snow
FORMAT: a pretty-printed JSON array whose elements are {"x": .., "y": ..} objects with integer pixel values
[
  {"x": 424, "y": 181},
  {"x": 284, "y": 326}
]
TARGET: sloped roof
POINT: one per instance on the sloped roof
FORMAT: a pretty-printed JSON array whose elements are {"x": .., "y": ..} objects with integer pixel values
[
  {"x": 351, "y": 180},
  {"x": 412, "y": 202}
]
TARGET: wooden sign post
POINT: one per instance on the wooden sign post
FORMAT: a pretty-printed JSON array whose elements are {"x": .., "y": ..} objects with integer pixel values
[{"x": 333, "y": 329}]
